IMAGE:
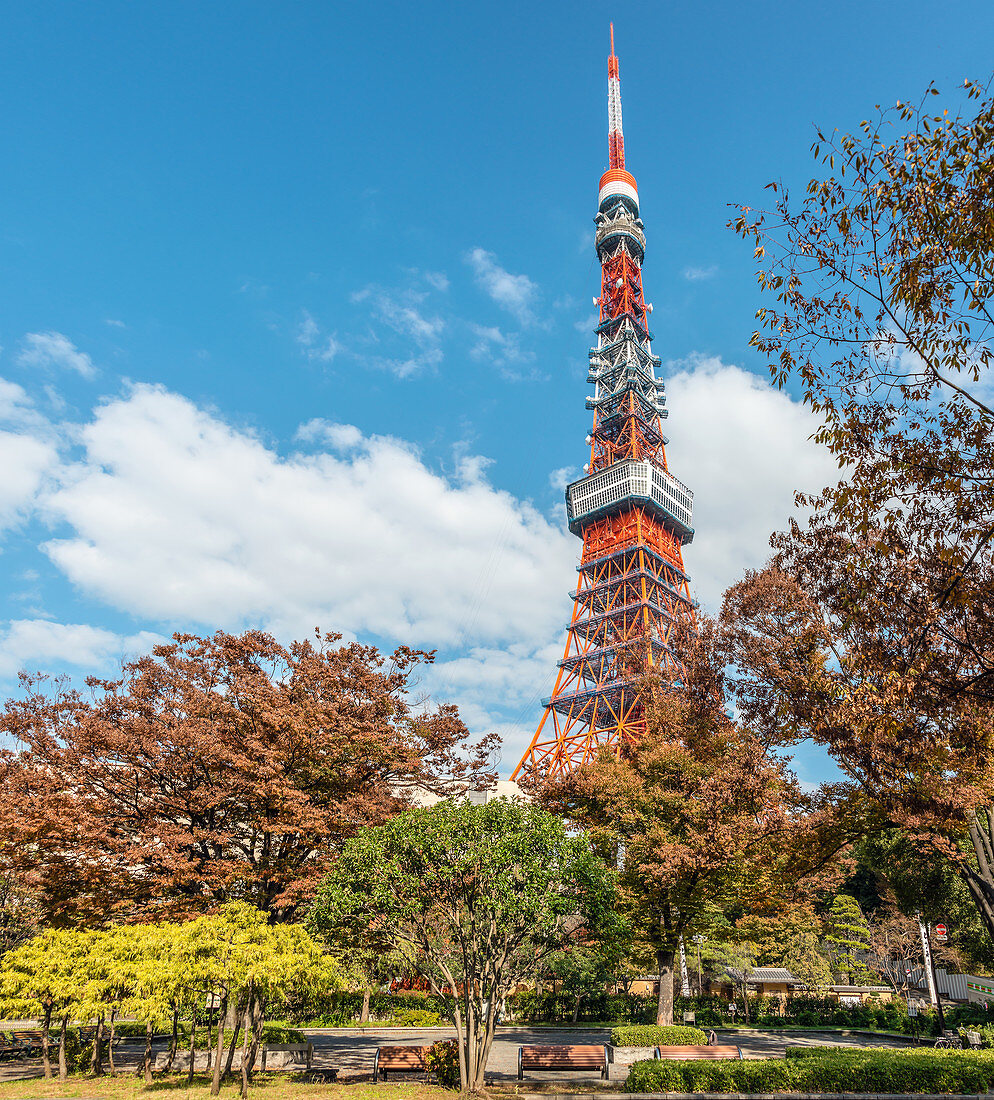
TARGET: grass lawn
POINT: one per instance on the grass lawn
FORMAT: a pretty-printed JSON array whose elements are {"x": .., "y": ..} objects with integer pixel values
[{"x": 265, "y": 1087}]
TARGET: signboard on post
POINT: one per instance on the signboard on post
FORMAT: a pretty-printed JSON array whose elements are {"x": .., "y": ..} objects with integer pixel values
[{"x": 941, "y": 932}]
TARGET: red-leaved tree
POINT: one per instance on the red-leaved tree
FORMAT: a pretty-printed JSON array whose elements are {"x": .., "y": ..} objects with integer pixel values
[{"x": 219, "y": 768}]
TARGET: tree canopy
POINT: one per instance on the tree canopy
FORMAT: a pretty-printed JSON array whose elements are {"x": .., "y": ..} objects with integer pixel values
[
  {"x": 479, "y": 898},
  {"x": 698, "y": 814},
  {"x": 216, "y": 769},
  {"x": 872, "y": 630}
]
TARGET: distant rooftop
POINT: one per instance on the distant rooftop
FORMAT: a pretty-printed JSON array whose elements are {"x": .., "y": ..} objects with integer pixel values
[{"x": 764, "y": 974}]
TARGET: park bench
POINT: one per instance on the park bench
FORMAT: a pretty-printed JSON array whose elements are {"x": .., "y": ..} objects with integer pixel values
[
  {"x": 399, "y": 1060},
  {"x": 689, "y": 1054},
  {"x": 564, "y": 1057},
  {"x": 27, "y": 1042}
]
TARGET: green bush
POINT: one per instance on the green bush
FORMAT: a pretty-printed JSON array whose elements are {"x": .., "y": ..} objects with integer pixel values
[
  {"x": 415, "y": 1017},
  {"x": 824, "y": 1069},
  {"x": 340, "y": 1009},
  {"x": 649, "y": 1035},
  {"x": 280, "y": 1033},
  {"x": 442, "y": 1059}
]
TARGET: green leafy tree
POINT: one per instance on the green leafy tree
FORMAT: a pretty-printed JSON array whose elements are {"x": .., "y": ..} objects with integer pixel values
[
  {"x": 847, "y": 936},
  {"x": 152, "y": 971},
  {"x": 479, "y": 898}
]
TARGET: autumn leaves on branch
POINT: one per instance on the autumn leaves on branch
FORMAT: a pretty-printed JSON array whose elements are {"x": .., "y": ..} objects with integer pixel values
[{"x": 217, "y": 768}]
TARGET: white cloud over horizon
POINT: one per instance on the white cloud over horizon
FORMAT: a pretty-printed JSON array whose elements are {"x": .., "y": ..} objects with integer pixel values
[
  {"x": 744, "y": 448},
  {"x": 32, "y": 645},
  {"x": 168, "y": 513}
]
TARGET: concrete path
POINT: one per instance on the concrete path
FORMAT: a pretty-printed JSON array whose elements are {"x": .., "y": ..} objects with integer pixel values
[{"x": 351, "y": 1050}]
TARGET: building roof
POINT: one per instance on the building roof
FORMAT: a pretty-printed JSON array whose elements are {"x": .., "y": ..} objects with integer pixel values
[{"x": 763, "y": 974}]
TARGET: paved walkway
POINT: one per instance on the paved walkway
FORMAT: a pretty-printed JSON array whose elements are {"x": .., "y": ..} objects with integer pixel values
[{"x": 351, "y": 1050}]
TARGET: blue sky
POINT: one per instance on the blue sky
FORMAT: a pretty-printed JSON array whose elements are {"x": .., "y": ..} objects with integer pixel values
[{"x": 295, "y": 304}]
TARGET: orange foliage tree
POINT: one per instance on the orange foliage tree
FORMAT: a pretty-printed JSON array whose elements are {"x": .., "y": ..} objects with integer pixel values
[
  {"x": 701, "y": 817},
  {"x": 216, "y": 768}
]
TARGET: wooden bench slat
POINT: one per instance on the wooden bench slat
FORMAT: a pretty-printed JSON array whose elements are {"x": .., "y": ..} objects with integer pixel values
[
  {"x": 400, "y": 1060},
  {"x": 562, "y": 1057}
]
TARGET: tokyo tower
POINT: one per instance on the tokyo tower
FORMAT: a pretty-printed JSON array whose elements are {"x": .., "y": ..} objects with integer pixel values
[{"x": 633, "y": 515}]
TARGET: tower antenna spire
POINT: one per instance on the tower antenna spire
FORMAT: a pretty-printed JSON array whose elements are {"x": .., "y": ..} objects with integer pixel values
[{"x": 615, "y": 134}]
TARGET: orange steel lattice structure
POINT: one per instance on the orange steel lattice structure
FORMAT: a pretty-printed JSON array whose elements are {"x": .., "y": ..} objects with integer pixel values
[{"x": 633, "y": 515}]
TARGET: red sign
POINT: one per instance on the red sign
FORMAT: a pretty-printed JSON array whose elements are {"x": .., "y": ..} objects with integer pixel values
[{"x": 940, "y": 930}]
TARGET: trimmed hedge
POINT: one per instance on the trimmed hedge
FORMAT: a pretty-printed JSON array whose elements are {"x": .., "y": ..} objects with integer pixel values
[
  {"x": 824, "y": 1069},
  {"x": 649, "y": 1035}
]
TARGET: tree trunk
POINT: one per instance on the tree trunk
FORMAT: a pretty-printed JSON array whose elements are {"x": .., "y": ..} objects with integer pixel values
[
  {"x": 46, "y": 1023},
  {"x": 193, "y": 1042},
  {"x": 664, "y": 1002},
  {"x": 111, "y": 1068},
  {"x": 147, "y": 1065},
  {"x": 462, "y": 1039},
  {"x": 745, "y": 1002},
  {"x": 174, "y": 1041},
  {"x": 576, "y": 1007},
  {"x": 236, "y": 1025},
  {"x": 980, "y": 881},
  {"x": 257, "y": 1018},
  {"x": 97, "y": 1059},
  {"x": 249, "y": 1010},
  {"x": 364, "y": 1011},
  {"x": 63, "y": 1069},
  {"x": 216, "y": 1078}
]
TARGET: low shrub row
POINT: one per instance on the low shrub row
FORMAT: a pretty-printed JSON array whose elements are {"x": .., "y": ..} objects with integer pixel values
[
  {"x": 342, "y": 1009},
  {"x": 649, "y": 1035},
  {"x": 872, "y": 1070}
]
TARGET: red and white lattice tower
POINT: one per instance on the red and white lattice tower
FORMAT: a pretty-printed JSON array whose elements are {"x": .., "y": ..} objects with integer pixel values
[{"x": 633, "y": 515}]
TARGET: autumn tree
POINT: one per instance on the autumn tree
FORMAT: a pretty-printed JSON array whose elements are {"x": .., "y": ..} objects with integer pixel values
[
  {"x": 698, "y": 814},
  {"x": 219, "y": 768},
  {"x": 478, "y": 898},
  {"x": 790, "y": 937},
  {"x": 871, "y": 631}
]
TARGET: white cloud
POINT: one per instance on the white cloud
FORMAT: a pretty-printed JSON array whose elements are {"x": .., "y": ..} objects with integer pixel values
[
  {"x": 24, "y": 461},
  {"x": 34, "y": 645},
  {"x": 699, "y": 274},
  {"x": 114, "y": 323},
  {"x": 515, "y": 293},
  {"x": 560, "y": 478},
  {"x": 502, "y": 350},
  {"x": 315, "y": 344},
  {"x": 52, "y": 349},
  {"x": 15, "y": 404},
  {"x": 179, "y": 517},
  {"x": 744, "y": 448},
  {"x": 502, "y": 688},
  {"x": 400, "y": 311},
  {"x": 343, "y": 437},
  {"x": 437, "y": 279},
  {"x": 27, "y": 453}
]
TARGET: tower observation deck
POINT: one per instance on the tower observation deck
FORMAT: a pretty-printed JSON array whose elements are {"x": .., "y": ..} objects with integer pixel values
[{"x": 633, "y": 515}]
